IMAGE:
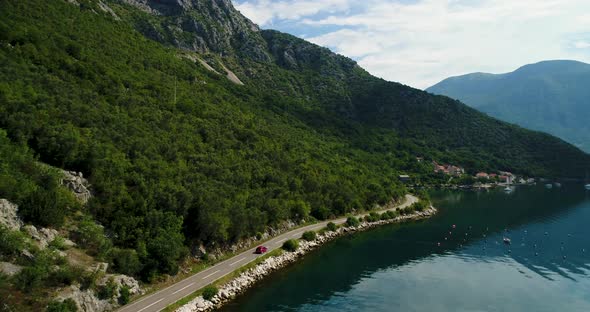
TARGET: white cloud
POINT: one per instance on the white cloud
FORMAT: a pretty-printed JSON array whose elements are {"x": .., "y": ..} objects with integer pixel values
[
  {"x": 582, "y": 44},
  {"x": 422, "y": 42}
]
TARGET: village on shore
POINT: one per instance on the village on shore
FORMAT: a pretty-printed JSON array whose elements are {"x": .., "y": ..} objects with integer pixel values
[{"x": 456, "y": 177}]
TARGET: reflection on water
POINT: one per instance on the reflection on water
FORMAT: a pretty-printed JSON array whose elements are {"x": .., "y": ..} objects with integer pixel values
[{"x": 403, "y": 268}]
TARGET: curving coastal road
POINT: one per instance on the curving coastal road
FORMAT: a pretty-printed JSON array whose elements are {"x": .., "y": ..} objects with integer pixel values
[{"x": 159, "y": 300}]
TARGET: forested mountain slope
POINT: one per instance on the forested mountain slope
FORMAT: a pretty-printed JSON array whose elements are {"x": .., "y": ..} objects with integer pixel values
[
  {"x": 550, "y": 96},
  {"x": 134, "y": 94}
]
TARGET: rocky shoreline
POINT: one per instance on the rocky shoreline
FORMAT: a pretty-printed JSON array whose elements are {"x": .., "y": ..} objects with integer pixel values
[{"x": 247, "y": 279}]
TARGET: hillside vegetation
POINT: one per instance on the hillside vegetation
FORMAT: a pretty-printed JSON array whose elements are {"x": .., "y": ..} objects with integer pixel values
[
  {"x": 178, "y": 155},
  {"x": 549, "y": 96}
]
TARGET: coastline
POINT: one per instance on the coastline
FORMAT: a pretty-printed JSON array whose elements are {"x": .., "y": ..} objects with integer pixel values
[{"x": 250, "y": 277}]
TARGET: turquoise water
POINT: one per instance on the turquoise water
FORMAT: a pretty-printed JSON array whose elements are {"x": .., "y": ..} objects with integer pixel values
[{"x": 402, "y": 268}]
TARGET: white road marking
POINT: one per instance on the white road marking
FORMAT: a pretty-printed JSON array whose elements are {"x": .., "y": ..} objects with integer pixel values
[
  {"x": 210, "y": 274},
  {"x": 238, "y": 261},
  {"x": 151, "y": 305},
  {"x": 183, "y": 288}
]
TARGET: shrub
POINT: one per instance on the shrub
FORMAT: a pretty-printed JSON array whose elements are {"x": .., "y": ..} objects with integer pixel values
[
  {"x": 420, "y": 206},
  {"x": 258, "y": 236},
  {"x": 393, "y": 214},
  {"x": 209, "y": 292},
  {"x": 352, "y": 221},
  {"x": 124, "y": 295},
  {"x": 48, "y": 204},
  {"x": 59, "y": 243},
  {"x": 67, "y": 305},
  {"x": 309, "y": 236},
  {"x": 291, "y": 245},
  {"x": 372, "y": 217},
  {"x": 91, "y": 236},
  {"x": 108, "y": 290},
  {"x": 126, "y": 261},
  {"x": 331, "y": 226},
  {"x": 11, "y": 242},
  {"x": 30, "y": 278},
  {"x": 65, "y": 276},
  {"x": 88, "y": 279}
]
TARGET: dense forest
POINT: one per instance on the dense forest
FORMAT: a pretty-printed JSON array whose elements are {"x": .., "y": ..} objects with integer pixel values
[{"x": 178, "y": 155}]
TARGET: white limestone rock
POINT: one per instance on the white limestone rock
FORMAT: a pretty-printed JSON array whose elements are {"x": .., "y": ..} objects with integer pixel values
[
  {"x": 76, "y": 183},
  {"x": 10, "y": 269},
  {"x": 42, "y": 237},
  {"x": 122, "y": 281},
  {"x": 85, "y": 300},
  {"x": 8, "y": 215}
]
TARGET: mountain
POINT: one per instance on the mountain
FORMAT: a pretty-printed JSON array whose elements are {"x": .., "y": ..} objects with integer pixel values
[
  {"x": 550, "y": 96},
  {"x": 195, "y": 128}
]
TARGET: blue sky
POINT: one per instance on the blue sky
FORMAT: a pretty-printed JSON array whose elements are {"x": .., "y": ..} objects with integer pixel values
[{"x": 420, "y": 42}]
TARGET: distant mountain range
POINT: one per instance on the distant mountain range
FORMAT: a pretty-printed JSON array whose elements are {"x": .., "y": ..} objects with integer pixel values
[{"x": 550, "y": 96}]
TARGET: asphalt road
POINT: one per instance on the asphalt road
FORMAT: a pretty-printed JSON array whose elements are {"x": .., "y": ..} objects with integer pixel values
[{"x": 159, "y": 300}]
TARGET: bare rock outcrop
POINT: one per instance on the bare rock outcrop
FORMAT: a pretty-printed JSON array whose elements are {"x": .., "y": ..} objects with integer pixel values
[
  {"x": 42, "y": 236},
  {"x": 10, "y": 269},
  {"x": 107, "y": 9},
  {"x": 8, "y": 215},
  {"x": 122, "y": 281},
  {"x": 86, "y": 300},
  {"x": 76, "y": 183},
  {"x": 212, "y": 26}
]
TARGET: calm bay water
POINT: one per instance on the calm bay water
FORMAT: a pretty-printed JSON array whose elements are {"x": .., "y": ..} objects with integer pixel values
[{"x": 402, "y": 268}]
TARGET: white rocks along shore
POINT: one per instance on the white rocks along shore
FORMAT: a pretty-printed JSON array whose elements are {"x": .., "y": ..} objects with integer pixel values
[{"x": 247, "y": 279}]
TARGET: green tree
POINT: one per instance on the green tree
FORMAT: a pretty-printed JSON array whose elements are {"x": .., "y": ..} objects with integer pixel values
[
  {"x": 68, "y": 305},
  {"x": 209, "y": 292},
  {"x": 291, "y": 245},
  {"x": 124, "y": 295},
  {"x": 126, "y": 261},
  {"x": 352, "y": 222},
  {"x": 309, "y": 236},
  {"x": 331, "y": 226},
  {"x": 11, "y": 243}
]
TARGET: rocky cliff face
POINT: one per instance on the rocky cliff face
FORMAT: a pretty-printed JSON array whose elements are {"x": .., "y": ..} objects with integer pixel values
[{"x": 204, "y": 26}]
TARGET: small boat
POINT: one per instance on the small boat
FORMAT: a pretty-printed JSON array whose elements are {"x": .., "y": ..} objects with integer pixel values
[
  {"x": 549, "y": 185},
  {"x": 557, "y": 184},
  {"x": 508, "y": 189},
  {"x": 587, "y": 186},
  {"x": 507, "y": 241}
]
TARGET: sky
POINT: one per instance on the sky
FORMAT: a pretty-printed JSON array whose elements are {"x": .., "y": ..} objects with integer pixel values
[{"x": 421, "y": 42}]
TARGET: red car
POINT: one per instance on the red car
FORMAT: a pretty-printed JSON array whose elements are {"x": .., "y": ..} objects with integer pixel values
[{"x": 261, "y": 249}]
